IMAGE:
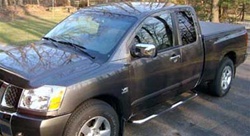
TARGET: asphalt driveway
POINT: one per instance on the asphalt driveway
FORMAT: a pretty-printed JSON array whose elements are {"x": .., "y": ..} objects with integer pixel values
[{"x": 206, "y": 115}]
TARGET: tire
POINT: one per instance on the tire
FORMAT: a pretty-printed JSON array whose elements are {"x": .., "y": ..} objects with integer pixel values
[
  {"x": 223, "y": 79},
  {"x": 93, "y": 117}
]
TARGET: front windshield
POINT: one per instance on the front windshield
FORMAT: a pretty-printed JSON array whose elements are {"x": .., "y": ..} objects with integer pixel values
[{"x": 98, "y": 32}]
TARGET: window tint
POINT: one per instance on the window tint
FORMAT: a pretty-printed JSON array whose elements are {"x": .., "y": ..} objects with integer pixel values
[
  {"x": 157, "y": 31},
  {"x": 186, "y": 26}
]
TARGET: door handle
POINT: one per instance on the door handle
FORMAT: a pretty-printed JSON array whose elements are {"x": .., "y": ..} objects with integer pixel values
[{"x": 175, "y": 58}]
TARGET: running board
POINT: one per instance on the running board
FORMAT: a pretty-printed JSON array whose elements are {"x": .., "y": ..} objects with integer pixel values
[{"x": 162, "y": 108}]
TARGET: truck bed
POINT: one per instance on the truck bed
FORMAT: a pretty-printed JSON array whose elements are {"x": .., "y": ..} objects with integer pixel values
[
  {"x": 218, "y": 40},
  {"x": 209, "y": 29}
]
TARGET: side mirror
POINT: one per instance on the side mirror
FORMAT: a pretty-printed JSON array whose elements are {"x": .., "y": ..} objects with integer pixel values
[{"x": 144, "y": 50}]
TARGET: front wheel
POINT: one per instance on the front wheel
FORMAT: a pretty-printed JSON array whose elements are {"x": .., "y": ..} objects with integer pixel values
[
  {"x": 223, "y": 80},
  {"x": 93, "y": 118}
]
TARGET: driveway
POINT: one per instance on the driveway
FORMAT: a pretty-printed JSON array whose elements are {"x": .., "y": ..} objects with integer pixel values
[{"x": 206, "y": 115}]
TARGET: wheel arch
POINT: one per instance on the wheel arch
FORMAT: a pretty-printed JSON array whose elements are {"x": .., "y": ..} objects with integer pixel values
[
  {"x": 113, "y": 102},
  {"x": 231, "y": 55}
]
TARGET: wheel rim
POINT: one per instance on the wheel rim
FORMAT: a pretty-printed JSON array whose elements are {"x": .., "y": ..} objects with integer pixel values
[
  {"x": 226, "y": 77},
  {"x": 96, "y": 126}
]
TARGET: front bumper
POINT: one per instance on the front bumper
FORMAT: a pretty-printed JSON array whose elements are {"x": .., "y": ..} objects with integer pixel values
[{"x": 20, "y": 125}]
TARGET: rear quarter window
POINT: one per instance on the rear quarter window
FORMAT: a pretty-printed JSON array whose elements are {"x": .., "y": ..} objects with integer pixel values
[{"x": 186, "y": 27}]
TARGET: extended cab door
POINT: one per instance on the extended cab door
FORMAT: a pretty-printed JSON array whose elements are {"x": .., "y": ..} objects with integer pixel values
[
  {"x": 156, "y": 79},
  {"x": 191, "y": 48}
]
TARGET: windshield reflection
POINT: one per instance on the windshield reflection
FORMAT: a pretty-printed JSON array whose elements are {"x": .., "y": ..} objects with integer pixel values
[{"x": 97, "y": 32}]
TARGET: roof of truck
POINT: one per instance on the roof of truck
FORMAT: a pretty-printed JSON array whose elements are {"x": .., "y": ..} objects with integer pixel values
[{"x": 129, "y": 8}]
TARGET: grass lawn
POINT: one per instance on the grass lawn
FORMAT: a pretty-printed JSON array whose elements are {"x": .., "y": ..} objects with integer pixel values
[
  {"x": 29, "y": 28},
  {"x": 32, "y": 24}
]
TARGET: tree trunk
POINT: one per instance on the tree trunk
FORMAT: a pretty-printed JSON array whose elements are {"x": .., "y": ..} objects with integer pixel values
[
  {"x": 20, "y": 2},
  {"x": 88, "y": 2},
  {"x": 1, "y": 3},
  {"x": 220, "y": 11},
  {"x": 215, "y": 11},
  {"x": 5, "y": 3},
  {"x": 38, "y": 2},
  {"x": 243, "y": 12},
  {"x": 14, "y": 3}
]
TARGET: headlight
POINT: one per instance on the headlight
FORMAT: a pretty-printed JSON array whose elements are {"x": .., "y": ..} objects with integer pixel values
[{"x": 46, "y": 98}]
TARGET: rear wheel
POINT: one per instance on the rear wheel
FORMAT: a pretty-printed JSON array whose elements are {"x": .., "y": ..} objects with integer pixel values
[
  {"x": 223, "y": 80},
  {"x": 93, "y": 118}
]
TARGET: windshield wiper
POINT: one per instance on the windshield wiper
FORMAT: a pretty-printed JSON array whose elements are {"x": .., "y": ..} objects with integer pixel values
[
  {"x": 51, "y": 39},
  {"x": 76, "y": 46}
]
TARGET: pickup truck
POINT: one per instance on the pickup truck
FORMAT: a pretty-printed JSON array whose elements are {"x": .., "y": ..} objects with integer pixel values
[{"x": 110, "y": 64}]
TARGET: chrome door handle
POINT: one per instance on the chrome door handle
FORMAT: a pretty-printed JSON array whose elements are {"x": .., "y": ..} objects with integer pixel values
[{"x": 175, "y": 58}]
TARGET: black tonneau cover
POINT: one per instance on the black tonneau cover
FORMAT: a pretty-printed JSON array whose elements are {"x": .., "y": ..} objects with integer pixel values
[{"x": 211, "y": 29}]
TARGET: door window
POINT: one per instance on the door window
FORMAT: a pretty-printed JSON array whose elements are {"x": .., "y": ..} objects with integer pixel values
[
  {"x": 156, "y": 30},
  {"x": 186, "y": 27}
]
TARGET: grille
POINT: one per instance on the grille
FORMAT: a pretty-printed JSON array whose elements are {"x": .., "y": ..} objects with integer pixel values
[{"x": 11, "y": 95}]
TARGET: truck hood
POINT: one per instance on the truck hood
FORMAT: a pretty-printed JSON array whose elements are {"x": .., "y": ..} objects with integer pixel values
[{"x": 35, "y": 63}]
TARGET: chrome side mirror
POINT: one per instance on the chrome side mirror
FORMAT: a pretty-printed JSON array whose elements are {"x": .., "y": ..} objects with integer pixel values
[{"x": 144, "y": 50}]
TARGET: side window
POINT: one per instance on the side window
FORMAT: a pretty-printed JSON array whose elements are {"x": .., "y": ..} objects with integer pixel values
[
  {"x": 156, "y": 30},
  {"x": 186, "y": 26}
]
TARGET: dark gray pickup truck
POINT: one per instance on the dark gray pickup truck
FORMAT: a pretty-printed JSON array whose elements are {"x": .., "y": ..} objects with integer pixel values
[{"x": 108, "y": 64}]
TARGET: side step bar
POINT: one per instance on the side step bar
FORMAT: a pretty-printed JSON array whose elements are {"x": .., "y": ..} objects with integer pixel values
[{"x": 162, "y": 108}]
